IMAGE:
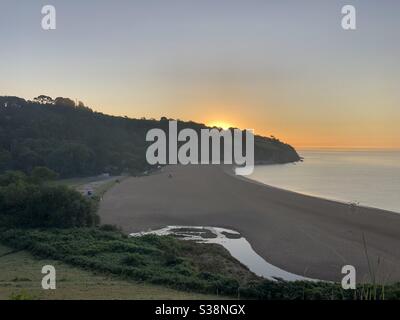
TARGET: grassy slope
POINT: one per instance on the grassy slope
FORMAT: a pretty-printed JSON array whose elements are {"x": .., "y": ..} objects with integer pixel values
[
  {"x": 182, "y": 265},
  {"x": 20, "y": 271},
  {"x": 21, "y": 275}
]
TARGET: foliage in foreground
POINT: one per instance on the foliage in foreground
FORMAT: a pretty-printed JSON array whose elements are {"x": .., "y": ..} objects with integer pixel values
[
  {"x": 29, "y": 202},
  {"x": 175, "y": 263}
]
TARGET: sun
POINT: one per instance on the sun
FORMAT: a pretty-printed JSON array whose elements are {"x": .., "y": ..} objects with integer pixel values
[{"x": 220, "y": 124}]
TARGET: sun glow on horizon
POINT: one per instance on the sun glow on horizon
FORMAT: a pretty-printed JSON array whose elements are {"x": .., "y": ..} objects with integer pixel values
[{"x": 220, "y": 124}]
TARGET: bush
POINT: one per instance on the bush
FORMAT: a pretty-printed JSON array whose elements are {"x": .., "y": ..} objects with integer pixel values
[
  {"x": 145, "y": 258},
  {"x": 42, "y": 174},
  {"x": 109, "y": 227},
  {"x": 26, "y": 204},
  {"x": 134, "y": 260}
]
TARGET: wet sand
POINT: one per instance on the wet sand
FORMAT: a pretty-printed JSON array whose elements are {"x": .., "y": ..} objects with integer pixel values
[{"x": 305, "y": 235}]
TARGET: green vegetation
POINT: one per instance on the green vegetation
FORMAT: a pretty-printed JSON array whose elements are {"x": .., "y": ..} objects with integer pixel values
[
  {"x": 28, "y": 201},
  {"x": 173, "y": 263},
  {"x": 164, "y": 261},
  {"x": 75, "y": 141},
  {"x": 52, "y": 221},
  {"x": 20, "y": 279}
]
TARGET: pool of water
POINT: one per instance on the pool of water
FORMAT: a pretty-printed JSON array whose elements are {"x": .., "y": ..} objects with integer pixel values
[{"x": 237, "y": 246}]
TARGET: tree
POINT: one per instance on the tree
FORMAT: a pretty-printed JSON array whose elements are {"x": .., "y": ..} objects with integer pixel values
[
  {"x": 61, "y": 207},
  {"x": 60, "y": 101},
  {"x": 5, "y": 160},
  {"x": 10, "y": 177},
  {"x": 26, "y": 159},
  {"x": 25, "y": 203},
  {"x": 42, "y": 99},
  {"x": 43, "y": 174},
  {"x": 76, "y": 141},
  {"x": 12, "y": 102},
  {"x": 71, "y": 159}
]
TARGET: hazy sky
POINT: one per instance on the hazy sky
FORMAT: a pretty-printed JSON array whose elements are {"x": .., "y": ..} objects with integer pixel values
[{"x": 281, "y": 67}]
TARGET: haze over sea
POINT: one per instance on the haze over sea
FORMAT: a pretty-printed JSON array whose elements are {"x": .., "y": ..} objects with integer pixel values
[{"x": 370, "y": 177}]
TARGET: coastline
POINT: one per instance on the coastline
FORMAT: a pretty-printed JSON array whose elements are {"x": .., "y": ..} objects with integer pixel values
[
  {"x": 309, "y": 195},
  {"x": 302, "y": 234}
]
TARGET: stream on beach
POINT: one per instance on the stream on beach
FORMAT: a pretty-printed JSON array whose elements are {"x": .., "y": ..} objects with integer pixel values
[{"x": 233, "y": 241}]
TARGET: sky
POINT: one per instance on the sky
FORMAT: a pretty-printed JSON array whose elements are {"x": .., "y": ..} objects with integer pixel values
[{"x": 284, "y": 68}]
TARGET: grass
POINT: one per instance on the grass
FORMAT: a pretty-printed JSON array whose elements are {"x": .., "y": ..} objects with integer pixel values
[
  {"x": 76, "y": 182},
  {"x": 20, "y": 279},
  {"x": 100, "y": 185},
  {"x": 163, "y": 261}
]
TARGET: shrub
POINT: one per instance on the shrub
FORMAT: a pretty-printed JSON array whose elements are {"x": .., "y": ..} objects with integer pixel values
[
  {"x": 26, "y": 204},
  {"x": 144, "y": 259},
  {"x": 134, "y": 260},
  {"x": 109, "y": 227}
]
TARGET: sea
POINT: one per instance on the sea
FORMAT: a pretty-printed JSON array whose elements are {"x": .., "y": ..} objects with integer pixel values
[{"x": 367, "y": 177}]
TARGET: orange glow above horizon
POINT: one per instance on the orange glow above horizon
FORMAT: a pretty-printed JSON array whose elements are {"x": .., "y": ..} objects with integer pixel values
[
  {"x": 309, "y": 87},
  {"x": 316, "y": 136},
  {"x": 220, "y": 124}
]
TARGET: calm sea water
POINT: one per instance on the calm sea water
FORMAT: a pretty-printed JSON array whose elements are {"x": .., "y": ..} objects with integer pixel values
[{"x": 371, "y": 178}]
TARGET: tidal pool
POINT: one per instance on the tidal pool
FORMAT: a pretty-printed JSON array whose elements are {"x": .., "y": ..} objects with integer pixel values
[{"x": 233, "y": 241}]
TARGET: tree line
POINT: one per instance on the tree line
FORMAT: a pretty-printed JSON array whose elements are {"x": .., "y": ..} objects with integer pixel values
[{"x": 73, "y": 140}]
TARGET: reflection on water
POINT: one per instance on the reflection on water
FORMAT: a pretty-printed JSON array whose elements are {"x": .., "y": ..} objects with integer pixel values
[
  {"x": 237, "y": 246},
  {"x": 371, "y": 178}
]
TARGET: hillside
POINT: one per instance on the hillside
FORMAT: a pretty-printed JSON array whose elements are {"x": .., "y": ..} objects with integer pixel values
[
  {"x": 74, "y": 140},
  {"x": 21, "y": 279}
]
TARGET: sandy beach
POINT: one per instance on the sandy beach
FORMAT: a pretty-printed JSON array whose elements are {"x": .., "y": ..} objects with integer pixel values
[{"x": 305, "y": 235}]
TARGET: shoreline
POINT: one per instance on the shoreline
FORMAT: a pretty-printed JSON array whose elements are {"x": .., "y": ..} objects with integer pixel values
[
  {"x": 302, "y": 234},
  {"x": 344, "y": 202}
]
